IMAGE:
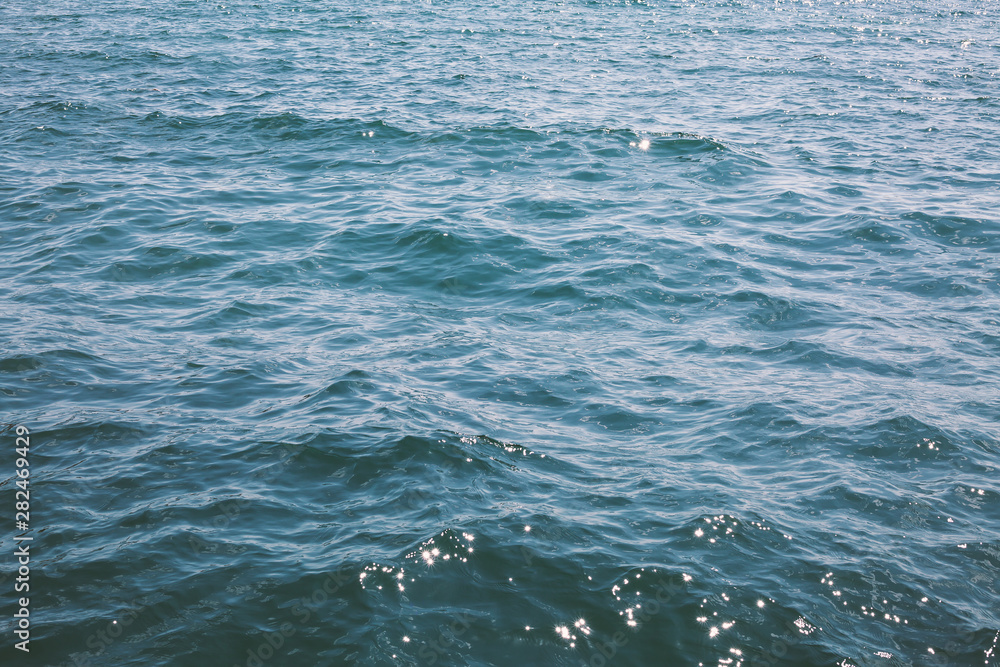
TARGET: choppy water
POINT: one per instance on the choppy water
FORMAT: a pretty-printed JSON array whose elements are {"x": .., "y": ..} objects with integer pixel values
[{"x": 491, "y": 333}]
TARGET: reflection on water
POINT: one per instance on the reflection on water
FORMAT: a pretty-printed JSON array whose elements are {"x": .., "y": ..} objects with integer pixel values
[{"x": 594, "y": 332}]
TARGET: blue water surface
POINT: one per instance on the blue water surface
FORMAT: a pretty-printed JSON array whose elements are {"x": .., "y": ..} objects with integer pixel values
[{"x": 581, "y": 332}]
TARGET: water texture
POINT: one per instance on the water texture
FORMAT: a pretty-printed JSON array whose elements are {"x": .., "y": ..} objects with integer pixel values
[{"x": 494, "y": 333}]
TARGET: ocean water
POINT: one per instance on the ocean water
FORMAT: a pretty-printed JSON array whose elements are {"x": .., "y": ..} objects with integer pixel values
[{"x": 571, "y": 333}]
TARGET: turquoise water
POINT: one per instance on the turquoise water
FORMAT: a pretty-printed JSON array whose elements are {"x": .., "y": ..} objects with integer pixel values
[{"x": 489, "y": 333}]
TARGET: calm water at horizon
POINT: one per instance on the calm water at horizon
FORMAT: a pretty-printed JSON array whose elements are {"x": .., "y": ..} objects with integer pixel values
[{"x": 579, "y": 333}]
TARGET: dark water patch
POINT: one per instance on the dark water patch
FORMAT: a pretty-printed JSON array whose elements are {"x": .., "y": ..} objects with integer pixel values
[
  {"x": 159, "y": 262},
  {"x": 955, "y": 231}
]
